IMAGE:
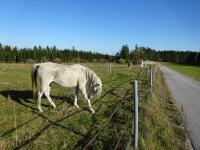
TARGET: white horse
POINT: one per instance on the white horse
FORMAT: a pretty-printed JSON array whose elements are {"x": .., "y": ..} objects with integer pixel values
[{"x": 66, "y": 76}]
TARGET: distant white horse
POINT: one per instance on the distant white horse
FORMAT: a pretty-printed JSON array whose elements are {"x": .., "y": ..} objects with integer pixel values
[{"x": 66, "y": 76}]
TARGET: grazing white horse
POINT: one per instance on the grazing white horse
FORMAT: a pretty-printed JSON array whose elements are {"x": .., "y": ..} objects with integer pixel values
[{"x": 66, "y": 76}]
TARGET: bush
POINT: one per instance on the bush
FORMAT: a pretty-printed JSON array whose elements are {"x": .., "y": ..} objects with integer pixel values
[
  {"x": 94, "y": 60},
  {"x": 106, "y": 60},
  {"x": 44, "y": 59},
  {"x": 102, "y": 60},
  {"x": 121, "y": 61},
  {"x": 57, "y": 60},
  {"x": 30, "y": 61},
  {"x": 77, "y": 60},
  {"x": 83, "y": 60}
]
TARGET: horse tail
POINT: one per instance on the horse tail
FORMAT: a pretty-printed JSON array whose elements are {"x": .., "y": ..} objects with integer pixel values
[{"x": 34, "y": 79}]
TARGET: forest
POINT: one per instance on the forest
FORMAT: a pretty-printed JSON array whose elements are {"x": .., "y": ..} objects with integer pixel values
[
  {"x": 40, "y": 54},
  {"x": 124, "y": 55}
]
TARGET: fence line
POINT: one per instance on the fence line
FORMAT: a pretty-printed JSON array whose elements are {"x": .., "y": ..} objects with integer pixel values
[
  {"x": 150, "y": 73},
  {"x": 135, "y": 120},
  {"x": 107, "y": 121}
]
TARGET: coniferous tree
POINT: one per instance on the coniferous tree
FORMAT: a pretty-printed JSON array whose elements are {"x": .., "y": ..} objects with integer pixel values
[{"x": 124, "y": 53}]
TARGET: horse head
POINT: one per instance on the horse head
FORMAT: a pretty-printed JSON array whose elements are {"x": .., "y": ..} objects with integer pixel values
[{"x": 96, "y": 88}]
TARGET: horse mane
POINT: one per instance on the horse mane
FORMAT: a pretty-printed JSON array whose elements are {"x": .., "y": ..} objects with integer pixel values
[
  {"x": 92, "y": 77},
  {"x": 93, "y": 80}
]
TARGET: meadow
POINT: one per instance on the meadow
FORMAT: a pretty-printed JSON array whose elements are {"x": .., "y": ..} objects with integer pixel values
[
  {"x": 189, "y": 70},
  {"x": 66, "y": 127}
]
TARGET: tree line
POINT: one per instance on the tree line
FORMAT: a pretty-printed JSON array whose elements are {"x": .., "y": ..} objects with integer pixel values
[
  {"x": 40, "y": 54},
  {"x": 146, "y": 53},
  {"x": 125, "y": 55}
]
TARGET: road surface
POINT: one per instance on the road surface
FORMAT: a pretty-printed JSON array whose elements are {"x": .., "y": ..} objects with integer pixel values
[{"x": 186, "y": 92}]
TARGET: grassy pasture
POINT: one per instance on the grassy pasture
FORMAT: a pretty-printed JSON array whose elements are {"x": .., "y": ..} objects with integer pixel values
[
  {"x": 66, "y": 127},
  {"x": 189, "y": 70}
]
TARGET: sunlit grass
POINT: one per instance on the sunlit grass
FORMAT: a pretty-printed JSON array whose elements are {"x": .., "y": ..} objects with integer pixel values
[
  {"x": 67, "y": 127},
  {"x": 189, "y": 70}
]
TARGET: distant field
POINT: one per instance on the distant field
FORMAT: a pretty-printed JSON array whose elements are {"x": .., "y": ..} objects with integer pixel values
[
  {"x": 189, "y": 70},
  {"x": 66, "y": 127}
]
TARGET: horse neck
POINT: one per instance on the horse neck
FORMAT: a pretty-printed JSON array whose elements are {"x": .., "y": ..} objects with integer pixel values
[{"x": 93, "y": 78}]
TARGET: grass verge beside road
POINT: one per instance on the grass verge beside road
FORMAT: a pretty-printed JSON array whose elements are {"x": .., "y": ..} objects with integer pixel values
[
  {"x": 189, "y": 70},
  {"x": 161, "y": 125}
]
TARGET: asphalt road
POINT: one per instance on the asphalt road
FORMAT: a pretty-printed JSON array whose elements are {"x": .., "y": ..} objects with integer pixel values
[{"x": 186, "y": 92}]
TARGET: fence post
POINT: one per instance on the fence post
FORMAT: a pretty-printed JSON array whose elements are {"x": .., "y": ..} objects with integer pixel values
[
  {"x": 151, "y": 78},
  {"x": 142, "y": 64},
  {"x": 110, "y": 68},
  {"x": 135, "y": 119},
  {"x": 153, "y": 72},
  {"x": 136, "y": 116}
]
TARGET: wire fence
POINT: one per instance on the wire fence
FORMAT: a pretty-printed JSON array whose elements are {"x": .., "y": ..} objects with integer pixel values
[{"x": 150, "y": 74}]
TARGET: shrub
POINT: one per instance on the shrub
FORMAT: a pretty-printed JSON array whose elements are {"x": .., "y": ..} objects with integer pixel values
[
  {"x": 94, "y": 60},
  {"x": 30, "y": 61},
  {"x": 77, "y": 60},
  {"x": 102, "y": 60},
  {"x": 83, "y": 60},
  {"x": 121, "y": 61},
  {"x": 57, "y": 60},
  {"x": 106, "y": 60},
  {"x": 44, "y": 59}
]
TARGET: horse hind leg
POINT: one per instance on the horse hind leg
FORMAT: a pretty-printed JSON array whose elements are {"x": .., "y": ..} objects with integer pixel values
[
  {"x": 75, "y": 97},
  {"x": 47, "y": 94},
  {"x": 40, "y": 93}
]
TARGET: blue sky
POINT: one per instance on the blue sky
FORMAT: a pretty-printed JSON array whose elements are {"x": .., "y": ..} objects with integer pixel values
[{"x": 101, "y": 25}]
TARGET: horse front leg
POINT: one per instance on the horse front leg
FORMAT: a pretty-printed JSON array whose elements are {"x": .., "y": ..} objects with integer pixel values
[
  {"x": 88, "y": 100},
  {"x": 89, "y": 104}
]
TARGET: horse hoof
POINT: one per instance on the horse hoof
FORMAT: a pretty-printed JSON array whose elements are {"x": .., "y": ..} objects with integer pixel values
[
  {"x": 93, "y": 111},
  {"x": 76, "y": 106}
]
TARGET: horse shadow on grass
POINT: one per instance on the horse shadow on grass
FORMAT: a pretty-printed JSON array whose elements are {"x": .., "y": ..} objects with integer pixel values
[{"x": 25, "y": 98}]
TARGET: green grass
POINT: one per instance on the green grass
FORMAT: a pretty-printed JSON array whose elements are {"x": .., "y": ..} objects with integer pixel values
[
  {"x": 67, "y": 127},
  {"x": 189, "y": 70},
  {"x": 161, "y": 121}
]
